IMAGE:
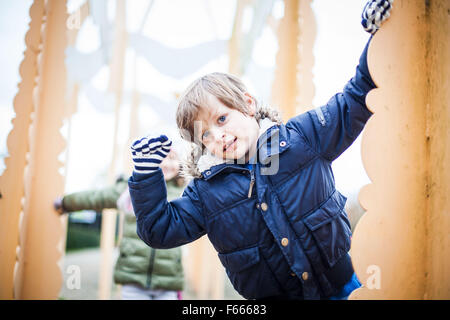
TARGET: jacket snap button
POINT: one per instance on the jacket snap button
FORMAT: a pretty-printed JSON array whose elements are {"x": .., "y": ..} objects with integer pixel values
[
  {"x": 305, "y": 276},
  {"x": 257, "y": 206},
  {"x": 293, "y": 274},
  {"x": 208, "y": 173},
  {"x": 284, "y": 242},
  {"x": 264, "y": 206},
  {"x": 282, "y": 143}
]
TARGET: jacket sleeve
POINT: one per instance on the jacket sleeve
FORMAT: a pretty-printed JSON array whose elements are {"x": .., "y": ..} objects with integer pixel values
[
  {"x": 94, "y": 199},
  {"x": 162, "y": 224},
  {"x": 332, "y": 128}
]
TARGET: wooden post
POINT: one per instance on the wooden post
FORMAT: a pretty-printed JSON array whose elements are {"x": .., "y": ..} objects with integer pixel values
[
  {"x": 401, "y": 246},
  {"x": 134, "y": 130},
  {"x": 116, "y": 85},
  {"x": 236, "y": 36},
  {"x": 38, "y": 273},
  {"x": 307, "y": 37},
  {"x": 293, "y": 87},
  {"x": 285, "y": 85},
  {"x": 132, "y": 134},
  {"x": 72, "y": 105},
  {"x": 12, "y": 179},
  {"x": 438, "y": 144}
]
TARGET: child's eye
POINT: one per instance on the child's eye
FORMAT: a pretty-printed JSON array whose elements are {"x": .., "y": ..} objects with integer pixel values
[{"x": 221, "y": 119}]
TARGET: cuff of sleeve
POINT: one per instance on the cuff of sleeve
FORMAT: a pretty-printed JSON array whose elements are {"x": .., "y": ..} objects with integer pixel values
[
  {"x": 63, "y": 209},
  {"x": 143, "y": 180},
  {"x": 137, "y": 176},
  {"x": 364, "y": 65}
]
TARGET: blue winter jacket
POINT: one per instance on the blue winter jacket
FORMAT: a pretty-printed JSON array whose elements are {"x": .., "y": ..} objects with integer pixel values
[{"x": 279, "y": 227}]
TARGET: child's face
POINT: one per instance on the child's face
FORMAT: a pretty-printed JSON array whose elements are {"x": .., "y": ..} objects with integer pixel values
[
  {"x": 228, "y": 133},
  {"x": 170, "y": 166}
]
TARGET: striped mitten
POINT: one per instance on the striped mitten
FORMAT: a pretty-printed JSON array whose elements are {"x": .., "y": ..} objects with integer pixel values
[
  {"x": 148, "y": 153},
  {"x": 374, "y": 13}
]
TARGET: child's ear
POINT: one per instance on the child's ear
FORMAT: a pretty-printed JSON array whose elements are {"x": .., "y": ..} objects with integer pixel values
[{"x": 251, "y": 103}]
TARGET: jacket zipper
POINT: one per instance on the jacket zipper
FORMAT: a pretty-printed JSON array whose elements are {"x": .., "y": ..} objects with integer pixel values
[
  {"x": 150, "y": 267},
  {"x": 252, "y": 182},
  {"x": 320, "y": 116}
]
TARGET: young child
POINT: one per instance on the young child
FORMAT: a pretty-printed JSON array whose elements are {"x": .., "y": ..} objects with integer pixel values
[{"x": 264, "y": 191}]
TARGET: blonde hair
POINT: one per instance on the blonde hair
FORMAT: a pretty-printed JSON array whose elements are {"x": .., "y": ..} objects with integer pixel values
[{"x": 227, "y": 88}]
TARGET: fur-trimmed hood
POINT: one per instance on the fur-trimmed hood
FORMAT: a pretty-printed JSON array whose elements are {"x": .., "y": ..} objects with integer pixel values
[{"x": 196, "y": 163}]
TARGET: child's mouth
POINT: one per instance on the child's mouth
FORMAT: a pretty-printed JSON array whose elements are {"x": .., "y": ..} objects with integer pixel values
[{"x": 230, "y": 145}]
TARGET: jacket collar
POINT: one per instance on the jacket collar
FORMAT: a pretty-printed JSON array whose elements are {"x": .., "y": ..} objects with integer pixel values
[{"x": 271, "y": 141}]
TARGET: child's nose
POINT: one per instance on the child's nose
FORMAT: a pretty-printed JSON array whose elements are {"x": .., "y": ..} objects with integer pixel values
[{"x": 219, "y": 135}]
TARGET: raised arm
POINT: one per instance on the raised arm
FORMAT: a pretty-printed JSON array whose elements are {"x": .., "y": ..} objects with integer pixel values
[
  {"x": 332, "y": 128},
  {"x": 97, "y": 199},
  {"x": 162, "y": 224}
]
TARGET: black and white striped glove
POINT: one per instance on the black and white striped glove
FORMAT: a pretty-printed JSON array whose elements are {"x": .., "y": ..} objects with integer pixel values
[
  {"x": 149, "y": 152},
  {"x": 374, "y": 13}
]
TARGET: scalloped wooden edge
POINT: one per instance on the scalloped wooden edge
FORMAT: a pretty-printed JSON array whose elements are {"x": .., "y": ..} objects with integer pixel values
[
  {"x": 393, "y": 237},
  {"x": 38, "y": 273},
  {"x": 11, "y": 181}
]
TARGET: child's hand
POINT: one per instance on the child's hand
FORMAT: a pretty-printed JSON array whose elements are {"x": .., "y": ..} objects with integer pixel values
[
  {"x": 149, "y": 152},
  {"x": 374, "y": 13},
  {"x": 58, "y": 205}
]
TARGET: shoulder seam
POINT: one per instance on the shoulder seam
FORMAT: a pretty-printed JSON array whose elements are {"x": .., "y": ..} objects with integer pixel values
[{"x": 300, "y": 132}]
